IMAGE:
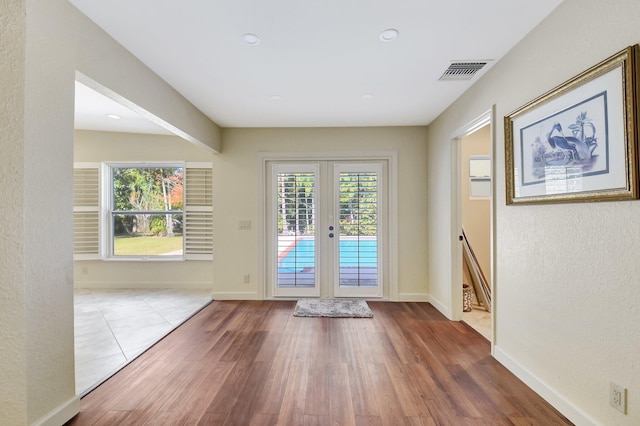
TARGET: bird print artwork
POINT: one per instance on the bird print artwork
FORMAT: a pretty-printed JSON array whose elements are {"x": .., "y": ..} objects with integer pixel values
[{"x": 558, "y": 148}]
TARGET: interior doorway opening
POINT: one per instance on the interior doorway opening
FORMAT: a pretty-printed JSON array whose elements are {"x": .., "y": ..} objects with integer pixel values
[
  {"x": 472, "y": 255},
  {"x": 475, "y": 202}
]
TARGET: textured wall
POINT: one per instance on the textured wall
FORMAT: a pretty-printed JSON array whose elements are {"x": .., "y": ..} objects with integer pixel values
[
  {"x": 48, "y": 115},
  {"x": 13, "y": 380},
  {"x": 566, "y": 312}
]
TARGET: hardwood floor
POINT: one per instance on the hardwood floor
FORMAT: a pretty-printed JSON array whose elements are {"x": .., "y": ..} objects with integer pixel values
[{"x": 254, "y": 363}]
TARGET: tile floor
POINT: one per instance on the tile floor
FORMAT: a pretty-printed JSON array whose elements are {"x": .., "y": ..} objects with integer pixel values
[
  {"x": 479, "y": 320},
  {"x": 112, "y": 327}
]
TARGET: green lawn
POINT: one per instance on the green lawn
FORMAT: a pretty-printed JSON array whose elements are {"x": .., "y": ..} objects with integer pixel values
[{"x": 146, "y": 246}]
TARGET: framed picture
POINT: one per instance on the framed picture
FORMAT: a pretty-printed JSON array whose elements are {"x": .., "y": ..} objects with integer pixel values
[{"x": 577, "y": 142}]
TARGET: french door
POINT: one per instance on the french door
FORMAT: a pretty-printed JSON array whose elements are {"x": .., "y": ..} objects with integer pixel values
[{"x": 326, "y": 228}]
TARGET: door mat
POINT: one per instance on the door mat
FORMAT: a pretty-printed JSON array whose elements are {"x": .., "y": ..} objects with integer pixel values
[{"x": 334, "y": 308}]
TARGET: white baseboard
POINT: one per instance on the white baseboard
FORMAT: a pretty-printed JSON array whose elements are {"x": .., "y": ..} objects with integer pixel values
[
  {"x": 560, "y": 403},
  {"x": 61, "y": 414},
  {"x": 444, "y": 310},
  {"x": 142, "y": 285},
  {"x": 413, "y": 297},
  {"x": 235, "y": 295}
]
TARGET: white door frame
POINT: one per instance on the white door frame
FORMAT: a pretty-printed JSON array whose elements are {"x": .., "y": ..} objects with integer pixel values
[
  {"x": 487, "y": 118},
  {"x": 390, "y": 289}
]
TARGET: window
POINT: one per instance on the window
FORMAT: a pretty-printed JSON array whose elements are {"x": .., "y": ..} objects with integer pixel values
[
  {"x": 145, "y": 209},
  {"x": 156, "y": 211},
  {"x": 479, "y": 177}
]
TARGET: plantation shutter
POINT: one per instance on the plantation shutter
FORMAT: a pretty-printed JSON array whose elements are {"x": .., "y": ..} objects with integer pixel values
[
  {"x": 358, "y": 216},
  {"x": 86, "y": 211},
  {"x": 198, "y": 211}
]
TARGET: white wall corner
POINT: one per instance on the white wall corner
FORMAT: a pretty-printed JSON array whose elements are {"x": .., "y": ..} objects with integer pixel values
[
  {"x": 549, "y": 394},
  {"x": 61, "y": 414},
  {"x": 444, "y": 310}
]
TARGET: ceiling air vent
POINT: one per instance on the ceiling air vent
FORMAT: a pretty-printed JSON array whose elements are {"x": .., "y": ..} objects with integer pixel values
[{"x": 462, "y": 70}]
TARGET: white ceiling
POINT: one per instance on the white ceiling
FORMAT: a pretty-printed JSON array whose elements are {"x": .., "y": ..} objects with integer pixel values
[
  {"x": 93, "y": 110},
  {"x": 318, "y": 63}
]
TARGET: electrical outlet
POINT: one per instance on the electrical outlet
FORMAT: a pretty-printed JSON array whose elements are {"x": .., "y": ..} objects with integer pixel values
[
  {"x": 246, "y": 278},
  {"x": 618, "y": 397}
]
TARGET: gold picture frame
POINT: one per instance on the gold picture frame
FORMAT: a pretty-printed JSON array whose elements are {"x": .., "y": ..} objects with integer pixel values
[{"x": 579, "y": 141}]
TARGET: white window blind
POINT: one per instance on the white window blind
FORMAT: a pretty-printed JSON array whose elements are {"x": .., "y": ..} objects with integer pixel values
[
  {"x": 358, "y": 216},
  {"x": 296, "y": 203},
  {"x": 86, "y": 211},
  {"x": 198, "y": 211}
]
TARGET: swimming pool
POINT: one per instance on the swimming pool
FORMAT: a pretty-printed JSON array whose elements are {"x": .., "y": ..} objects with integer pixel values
[{"x": 353, "y": 253}]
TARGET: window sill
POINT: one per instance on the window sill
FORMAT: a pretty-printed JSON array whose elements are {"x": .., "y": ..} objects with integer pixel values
[{"x": 145, "y": 259}]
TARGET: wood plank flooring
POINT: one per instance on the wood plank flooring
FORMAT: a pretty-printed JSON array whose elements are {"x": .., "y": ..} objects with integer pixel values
[{"x": 254, "y": 363}]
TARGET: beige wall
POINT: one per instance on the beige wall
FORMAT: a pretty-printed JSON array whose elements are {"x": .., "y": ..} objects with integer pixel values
[
  {"x": 91, "y": 146},
  {"x": 36, "y": 345},
  {"x": 236, "y": 186},
  {"x": 476, "y": 213},
  {"x": 566, "y": 299},
  {"x": 236, "y": 252},
  {"x": 47, "y": 267},
  {"x": 13, "y": 325},
  {"x": 44, "y": 44}
]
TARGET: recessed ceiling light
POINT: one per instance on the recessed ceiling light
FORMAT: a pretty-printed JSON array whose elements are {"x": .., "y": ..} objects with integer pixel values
[
  {"x": 367, "y": 96},
  {"x": 276, "y": 97},
  {"x": 251, "y": 39},
  {"x": 389, "y": 34},
  {"x": 113, "y": 116}
]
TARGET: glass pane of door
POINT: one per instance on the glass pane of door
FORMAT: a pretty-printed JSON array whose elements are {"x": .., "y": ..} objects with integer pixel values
[
  {"x": 357, "y": 212},
  {"x": 295, "y": 233}
]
